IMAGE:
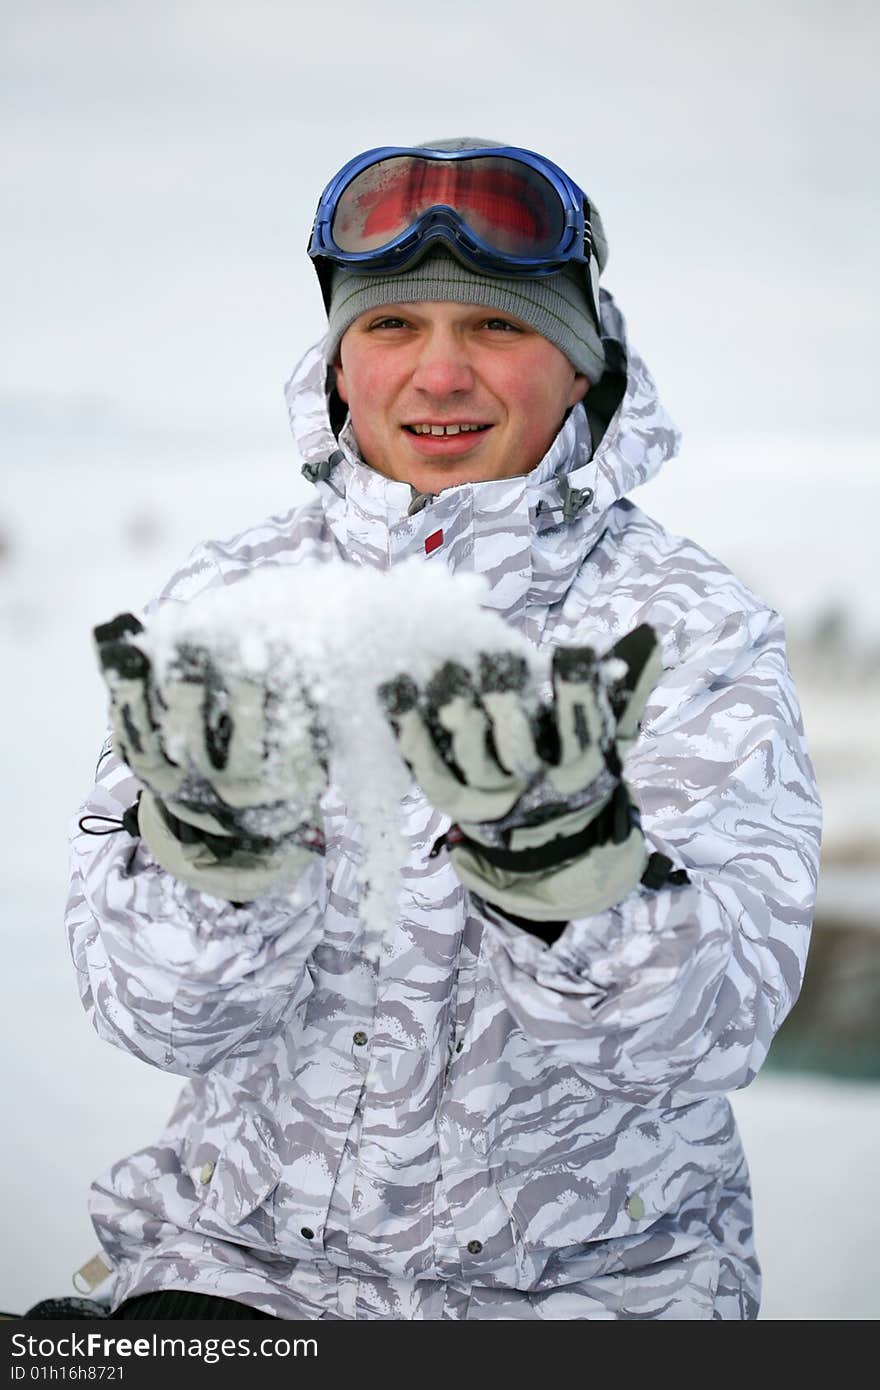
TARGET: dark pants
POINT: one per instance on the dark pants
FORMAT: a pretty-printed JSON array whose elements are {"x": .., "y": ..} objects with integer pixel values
[{"x": 176, "y": 1303}]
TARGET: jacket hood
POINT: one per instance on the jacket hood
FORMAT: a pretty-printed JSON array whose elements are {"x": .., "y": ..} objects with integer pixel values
[{"x": 528, "y": 534}]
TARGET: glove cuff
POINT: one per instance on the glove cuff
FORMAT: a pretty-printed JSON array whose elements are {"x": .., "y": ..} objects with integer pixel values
[
  {"x": 580, "y": 888},
  {"x": 238, "y": 873},
  {"x": 224, "y": 843},
  {"x": 613, "y": 823}
]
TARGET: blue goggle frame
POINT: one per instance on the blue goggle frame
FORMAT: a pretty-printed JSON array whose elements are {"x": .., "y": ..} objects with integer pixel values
[{"x": 443, "y": 223}]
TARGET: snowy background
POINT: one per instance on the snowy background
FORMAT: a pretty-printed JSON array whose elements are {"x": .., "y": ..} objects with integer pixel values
[{"x": 161, "y": 165}]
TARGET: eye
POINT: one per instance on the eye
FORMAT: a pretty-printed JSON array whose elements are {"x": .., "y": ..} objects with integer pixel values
[
  {"x": 503, "y": 325},
  {"x": 390, "y": 321}
]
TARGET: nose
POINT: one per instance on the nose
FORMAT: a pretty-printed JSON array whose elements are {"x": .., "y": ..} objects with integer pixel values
[{"x": 443, "y": 367}]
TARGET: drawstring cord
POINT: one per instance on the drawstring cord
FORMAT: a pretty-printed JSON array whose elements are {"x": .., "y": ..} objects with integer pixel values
[{"x": 129, "y": 822}]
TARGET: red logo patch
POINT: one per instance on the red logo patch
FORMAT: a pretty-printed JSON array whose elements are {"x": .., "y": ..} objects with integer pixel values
[{"x": 434, "y": 541}]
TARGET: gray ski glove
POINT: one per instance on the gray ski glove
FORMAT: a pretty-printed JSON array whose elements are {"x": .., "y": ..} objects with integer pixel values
[
  {"x": 233, "y": 766},
  {"x": 545, "y": 828}
]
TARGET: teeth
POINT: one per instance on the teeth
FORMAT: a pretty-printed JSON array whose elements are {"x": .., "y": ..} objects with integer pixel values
[{"x": 445, "y": 429}]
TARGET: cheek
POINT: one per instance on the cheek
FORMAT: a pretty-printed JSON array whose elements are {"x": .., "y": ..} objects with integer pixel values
[
  {"x": 533, "y": 392},
  {"x": 369, "y": 391}
]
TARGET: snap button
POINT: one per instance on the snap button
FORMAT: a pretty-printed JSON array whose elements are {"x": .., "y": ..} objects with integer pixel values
[
  {"x": 359, "y": 1039},
  {"x": 474, "y": 1247},
  {"x": 307, "y": 1232},
  {"x": 206, "y": 1173},
  {"x": 635, "y": 1207}
]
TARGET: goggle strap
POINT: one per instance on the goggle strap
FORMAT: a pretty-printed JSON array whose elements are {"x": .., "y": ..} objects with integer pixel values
[{"x": 592, "y": 264}]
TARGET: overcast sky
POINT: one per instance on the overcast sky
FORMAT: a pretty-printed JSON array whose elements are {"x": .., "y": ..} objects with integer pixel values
[{"x": 162, "y": 161}]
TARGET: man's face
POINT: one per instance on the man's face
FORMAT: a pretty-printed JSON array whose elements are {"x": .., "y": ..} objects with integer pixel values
[{"x": 408, "y": 366}]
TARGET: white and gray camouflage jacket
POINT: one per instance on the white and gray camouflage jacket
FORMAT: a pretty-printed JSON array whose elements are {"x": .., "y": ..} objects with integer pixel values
[{"x": 485, "y": 1126}]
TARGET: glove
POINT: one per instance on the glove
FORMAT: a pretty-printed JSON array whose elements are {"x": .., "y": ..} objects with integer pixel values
[
  {"x": 233, "y": 761},
  {"x": 545, "y": 827}
]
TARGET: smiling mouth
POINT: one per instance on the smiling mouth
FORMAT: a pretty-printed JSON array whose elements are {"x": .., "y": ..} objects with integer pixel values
[{"x": 447, "y": 431}]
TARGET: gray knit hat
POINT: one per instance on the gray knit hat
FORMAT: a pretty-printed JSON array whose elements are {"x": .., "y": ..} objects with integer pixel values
[{"x": 554, "y": 305}]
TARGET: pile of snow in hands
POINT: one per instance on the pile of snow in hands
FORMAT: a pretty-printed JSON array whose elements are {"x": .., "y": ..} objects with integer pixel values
[{"x": 321, "y": 639}]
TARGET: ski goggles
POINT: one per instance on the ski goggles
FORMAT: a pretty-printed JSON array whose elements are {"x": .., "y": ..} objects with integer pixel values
[{"x": 501, "y": 209}]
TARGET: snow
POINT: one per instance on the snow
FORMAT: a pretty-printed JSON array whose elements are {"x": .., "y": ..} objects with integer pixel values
[
  {"x": 812, "y": 1148},
  {"x": 90, "y": 533}
]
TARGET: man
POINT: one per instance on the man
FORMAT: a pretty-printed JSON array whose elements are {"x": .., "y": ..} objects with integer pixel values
[{"x": 521, "y": 1111}]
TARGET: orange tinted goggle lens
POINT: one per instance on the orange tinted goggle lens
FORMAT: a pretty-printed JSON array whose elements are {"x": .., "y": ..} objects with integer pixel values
[{"x": 509, "y": 206}]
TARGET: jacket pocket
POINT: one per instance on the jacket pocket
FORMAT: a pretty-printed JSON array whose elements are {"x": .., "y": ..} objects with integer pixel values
[
  {"x": 238, "y": 1185},
  {"x": 560, "y": 1206},
  {"x": 620, "y": 1183},
  {"x": 620, "y": 1259}
]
